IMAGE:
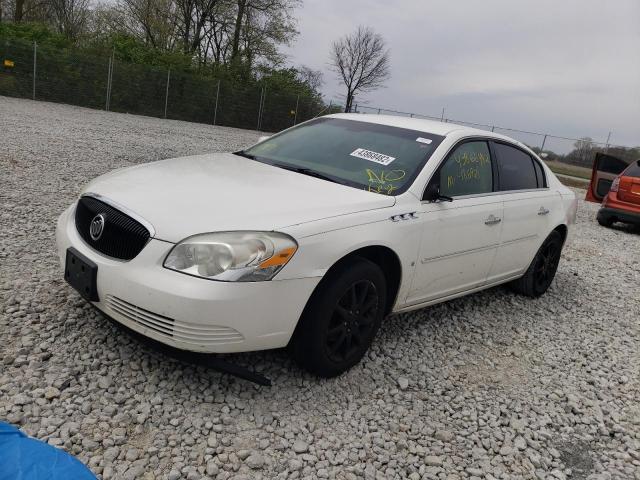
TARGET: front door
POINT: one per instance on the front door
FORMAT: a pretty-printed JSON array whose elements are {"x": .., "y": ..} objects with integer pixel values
[{"x": 460, "y": 237}]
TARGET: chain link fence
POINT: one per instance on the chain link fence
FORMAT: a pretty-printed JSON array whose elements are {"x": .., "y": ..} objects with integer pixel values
[
  {"x": 28, "y": 70},
  {"x": 575, "y": 151},
  {"x": 64, "y": 76}
]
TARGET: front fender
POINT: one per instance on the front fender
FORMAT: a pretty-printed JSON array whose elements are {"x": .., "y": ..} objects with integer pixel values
[{"x": 317, "y": 253}]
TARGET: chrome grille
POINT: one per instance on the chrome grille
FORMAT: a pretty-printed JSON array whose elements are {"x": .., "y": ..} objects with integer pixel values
[{"x": 122, "y": 237}]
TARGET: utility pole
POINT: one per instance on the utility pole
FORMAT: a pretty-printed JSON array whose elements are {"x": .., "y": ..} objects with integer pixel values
[
  {"x": 295, "y": 118},
  {"x": 544, "y": 140},
  {"x": 106, "y": 102},
  {"x": 260, "y": 109},
  {"x": 166, "y": 95},
  {"x": 112, "y": 64},
  {"x": 215, "y": 111},
  {"x": 35, "y": 63}
]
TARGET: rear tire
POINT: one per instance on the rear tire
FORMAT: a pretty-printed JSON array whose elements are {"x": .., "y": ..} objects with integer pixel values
[
  {"x": 542, "y": 270},
  {"x": 605, "y": 222},
  {"x": 341, "y": 319}
]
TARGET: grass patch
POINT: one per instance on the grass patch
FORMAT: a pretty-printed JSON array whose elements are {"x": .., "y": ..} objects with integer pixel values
[
  {"x": 566, "y": 169},
  {"x": 574, "y": 182}
]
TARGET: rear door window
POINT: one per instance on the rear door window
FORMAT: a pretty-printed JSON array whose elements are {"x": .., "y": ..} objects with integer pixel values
[{"x": 515, "y": 167}]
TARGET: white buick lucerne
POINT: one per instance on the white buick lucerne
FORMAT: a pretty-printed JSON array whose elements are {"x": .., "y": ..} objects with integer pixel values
[{"x": 311, "y": 237}]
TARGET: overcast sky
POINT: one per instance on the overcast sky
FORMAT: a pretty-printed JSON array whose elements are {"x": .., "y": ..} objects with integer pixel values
[{"x": 568, "y": 67}]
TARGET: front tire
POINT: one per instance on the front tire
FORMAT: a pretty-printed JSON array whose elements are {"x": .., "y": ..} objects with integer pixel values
[
  {"x": 542, "y": 270},
  {"x": 341, "y": 319}
]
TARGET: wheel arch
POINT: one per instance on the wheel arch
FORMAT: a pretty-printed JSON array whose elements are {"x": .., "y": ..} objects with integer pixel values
[
  {"x": 385, "y": 258},
  {"x": 563, "y": 230}
]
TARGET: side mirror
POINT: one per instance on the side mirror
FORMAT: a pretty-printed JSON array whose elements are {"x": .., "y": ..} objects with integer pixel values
[
  {"x": 432, "y": 194},
  {"x": 263, "y": 138}
]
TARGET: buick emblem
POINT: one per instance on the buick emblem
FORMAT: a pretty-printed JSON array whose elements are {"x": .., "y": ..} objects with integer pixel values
[{"x": 97, "y": 227}]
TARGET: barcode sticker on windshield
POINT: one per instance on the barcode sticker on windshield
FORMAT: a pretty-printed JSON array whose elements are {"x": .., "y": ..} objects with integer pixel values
[
  {"x": 380, "y": 158},
  {"x": 423, "y": 140}
]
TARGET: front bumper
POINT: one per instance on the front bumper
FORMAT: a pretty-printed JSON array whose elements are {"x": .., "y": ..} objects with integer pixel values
[
  {"x": 186, "y": 312},
  {"x": 607, "y": 213}
]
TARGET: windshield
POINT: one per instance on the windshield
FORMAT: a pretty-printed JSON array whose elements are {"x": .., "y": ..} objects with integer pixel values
[{"x": 377, "y": 158}]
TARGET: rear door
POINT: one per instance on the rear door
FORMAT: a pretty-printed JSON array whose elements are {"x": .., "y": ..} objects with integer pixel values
[
  {"x": 629, "y": 187},
  {"x": 605, "y": 169},
  {"x": 529, "y": 206}
]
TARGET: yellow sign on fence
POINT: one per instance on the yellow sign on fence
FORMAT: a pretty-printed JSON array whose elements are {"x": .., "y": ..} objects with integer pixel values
[{"x": 8, "y": 63}]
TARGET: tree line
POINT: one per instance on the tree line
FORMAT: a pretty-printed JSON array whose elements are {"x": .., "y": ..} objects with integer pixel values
[
  {"x": 222, "y": 54},
  {"x": 208, "y": 31},
  {"x": 238, "y": 40},
  {"x": 241, "y": 39}
]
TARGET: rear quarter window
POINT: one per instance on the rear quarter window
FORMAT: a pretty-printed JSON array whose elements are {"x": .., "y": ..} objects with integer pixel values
[
  {"x": 542, "y": 181},
  {"x": 633, "y": 170},
  {"x": 609, "y": 164}
]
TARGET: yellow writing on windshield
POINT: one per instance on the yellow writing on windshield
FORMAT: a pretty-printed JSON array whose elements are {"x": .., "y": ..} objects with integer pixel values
[
  {"x": 385, "y": 176},
  {"x": 382, "y": 181}
]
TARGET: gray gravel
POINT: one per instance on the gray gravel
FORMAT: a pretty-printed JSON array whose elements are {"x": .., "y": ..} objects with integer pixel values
[{"x": 489, "y": 386}]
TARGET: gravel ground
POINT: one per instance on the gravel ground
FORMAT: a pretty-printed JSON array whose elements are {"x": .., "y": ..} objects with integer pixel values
[{"x": 488, "y": 386}]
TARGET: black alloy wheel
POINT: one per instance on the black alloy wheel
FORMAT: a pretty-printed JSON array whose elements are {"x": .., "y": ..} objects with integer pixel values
[
  {"x": 542, "y": 269},
  {"x": 341, "y": 318},
  {"x": 546, "y": 264},
  {"x": 352, "y": 321}
]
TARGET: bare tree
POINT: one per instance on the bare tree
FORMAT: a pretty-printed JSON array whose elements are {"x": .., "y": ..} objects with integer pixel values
[
  {"x": 313, "y": 78},
  {"x": 235, "y": 43},
  {"x": 153, "y": 21},
  {"x": 70, "y": 16},
  {"x": 260, "y": 26},
  {"x": 584, "y": 150},
  {"x": 362, "y": 62},
  {"x": 27, "y": 10},
  {"x": 193, "y": 16},
  {"x": 216, "y": 33},
  {"x": 18, "y": 12}
]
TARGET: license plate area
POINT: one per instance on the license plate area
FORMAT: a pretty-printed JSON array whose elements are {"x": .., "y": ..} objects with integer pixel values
[{"x": 81, "y": 273}]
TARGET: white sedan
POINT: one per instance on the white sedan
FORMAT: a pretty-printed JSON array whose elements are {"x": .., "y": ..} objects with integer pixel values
[{"x": 311, "y": 237}]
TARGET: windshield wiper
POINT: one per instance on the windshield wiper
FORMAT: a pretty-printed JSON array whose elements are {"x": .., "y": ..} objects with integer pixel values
[
  {"x": 242, "y": 153},
  {"x": 305, "y": 171},
  {"x": 308, "y": 171}
]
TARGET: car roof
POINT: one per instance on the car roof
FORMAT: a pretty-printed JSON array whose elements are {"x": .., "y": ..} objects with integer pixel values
[{"x": 421, "y": 124}]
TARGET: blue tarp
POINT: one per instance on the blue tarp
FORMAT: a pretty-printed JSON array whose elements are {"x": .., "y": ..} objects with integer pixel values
[{"x": 24, "y": 458}]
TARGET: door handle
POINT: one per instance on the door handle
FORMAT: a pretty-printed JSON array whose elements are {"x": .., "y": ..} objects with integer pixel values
[
  {"x": 543, "y": 211},
  {"x": 492, "y": 220}
]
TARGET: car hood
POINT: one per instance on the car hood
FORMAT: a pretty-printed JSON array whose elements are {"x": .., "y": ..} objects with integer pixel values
[{"x": 219, "y": 192}]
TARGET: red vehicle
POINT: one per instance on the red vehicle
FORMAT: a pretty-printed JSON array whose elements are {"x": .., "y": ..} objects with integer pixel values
[{"x": 616, "y": 183}]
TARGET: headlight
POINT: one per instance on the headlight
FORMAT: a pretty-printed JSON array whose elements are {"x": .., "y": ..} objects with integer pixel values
[{"x": 232, "y": 256}]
